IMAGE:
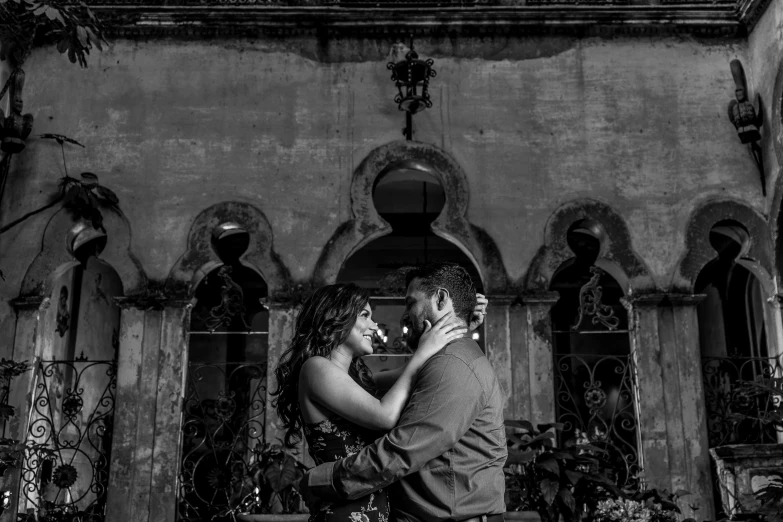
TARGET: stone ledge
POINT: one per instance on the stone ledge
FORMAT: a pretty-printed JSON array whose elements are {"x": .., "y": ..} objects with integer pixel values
[{"x": 719, "y": 20}]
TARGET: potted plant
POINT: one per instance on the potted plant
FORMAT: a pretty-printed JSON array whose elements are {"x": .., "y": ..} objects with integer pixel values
[
  {"x": 554, "y": 482},
  {"x": 268, "y": 490}
]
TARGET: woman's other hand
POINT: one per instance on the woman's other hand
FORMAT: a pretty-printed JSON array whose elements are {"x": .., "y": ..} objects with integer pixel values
[{"x": 477, "y": 318}]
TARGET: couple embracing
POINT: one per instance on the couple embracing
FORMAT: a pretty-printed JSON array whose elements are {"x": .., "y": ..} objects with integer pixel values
[{"x": 423, "y": 443}]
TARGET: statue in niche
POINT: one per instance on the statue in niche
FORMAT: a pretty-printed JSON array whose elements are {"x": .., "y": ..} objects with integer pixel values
[
  {"x": 63, "y": 315},
  {"x": 746, "y": 119},
  {"x": 16, "y": 127}
]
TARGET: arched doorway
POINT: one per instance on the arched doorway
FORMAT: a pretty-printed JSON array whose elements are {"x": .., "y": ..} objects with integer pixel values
[
  {"x": 409, "y": 197},
  {"x": 225, "y": 397},
  {"x": 66, "y": 470},
  {"x": 733, "y": 339},
  {"x": 595, "y": 381}
]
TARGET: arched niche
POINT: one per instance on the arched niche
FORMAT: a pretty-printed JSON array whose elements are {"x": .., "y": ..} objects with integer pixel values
[
  {"x": 756, "y": 256},
  {"x": 76, "y": 342},
  {"x": 201, "y": 258},
  {"x": 56, "y": 256},
  {"x": 366, "y": 225},
  {"x": 616, "y": 257}
]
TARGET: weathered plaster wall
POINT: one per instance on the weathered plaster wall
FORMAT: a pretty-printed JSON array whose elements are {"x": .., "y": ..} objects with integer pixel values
[{"x": 174, "y": 127}]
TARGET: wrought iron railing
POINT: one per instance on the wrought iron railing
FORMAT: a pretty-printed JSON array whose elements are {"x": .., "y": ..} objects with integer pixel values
[
  {"x": 65, "y": 470},
  {"x": 595, "y": 399},
  {"x": 223, "y": 420},
  {"x": 735, "y": 416}
]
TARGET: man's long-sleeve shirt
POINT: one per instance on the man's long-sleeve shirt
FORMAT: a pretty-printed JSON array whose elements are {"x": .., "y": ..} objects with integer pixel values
[{"x": 446, "y": 454}]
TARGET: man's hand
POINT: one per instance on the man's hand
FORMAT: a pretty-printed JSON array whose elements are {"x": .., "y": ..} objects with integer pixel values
[
  {"x": 311, "y": 501},
  {"x": 479, "y": 312}
]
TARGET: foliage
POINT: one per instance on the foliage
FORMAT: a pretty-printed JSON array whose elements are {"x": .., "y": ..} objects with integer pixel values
[
  {"x": 771, "y": 497},
  {"x": 555, "y": 482},
  {"x": 270, "y": 484},
  {"x": 628, "y": 510},
  {"x": 763, "y": 390},
  {"x": 71, "y": 25}
]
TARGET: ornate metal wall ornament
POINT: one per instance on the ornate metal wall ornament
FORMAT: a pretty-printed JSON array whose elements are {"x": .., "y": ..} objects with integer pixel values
[
  {"x": 232, "y": 304},
  {"x": 746, "y": 119},
  {"x": 16, "y": 127},
  {"x": 590, "y": 304},
  {"x": 63, "y": 315},
  {"x": 408, "y": 74}
]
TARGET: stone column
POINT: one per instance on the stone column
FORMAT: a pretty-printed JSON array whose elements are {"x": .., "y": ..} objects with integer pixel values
[
  {"x": 534, "y": 357},
  {"x": 519, "y": 346},
  {"x": 282, "y": 317},
  {"x": 151, "y": 373},
  {"x": 672, "y": 412},
  {"x": 497, "y": 343},
  {"x": 29, "y": 312},
  {"x": 774, "y": 324}
]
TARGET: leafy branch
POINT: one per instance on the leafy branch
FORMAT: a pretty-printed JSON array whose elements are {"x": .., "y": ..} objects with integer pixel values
[{"x": 72, "y": 26}]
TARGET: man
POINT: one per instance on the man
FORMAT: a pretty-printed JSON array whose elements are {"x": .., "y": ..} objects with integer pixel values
[{"x": 445, "y": 457}]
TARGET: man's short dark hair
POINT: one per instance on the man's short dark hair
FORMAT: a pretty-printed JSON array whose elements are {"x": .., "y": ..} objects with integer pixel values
[{"x": 453, "y": 278}]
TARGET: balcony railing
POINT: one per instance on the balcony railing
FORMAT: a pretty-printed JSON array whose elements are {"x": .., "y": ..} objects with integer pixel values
[
  {"x": 734, "y": 415},
  {"x": 596, "y": 397},
  {"x": 223, "y": 420}
]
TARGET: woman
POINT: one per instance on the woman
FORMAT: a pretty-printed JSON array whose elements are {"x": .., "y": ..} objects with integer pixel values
[{"x": 325, "y": 388}]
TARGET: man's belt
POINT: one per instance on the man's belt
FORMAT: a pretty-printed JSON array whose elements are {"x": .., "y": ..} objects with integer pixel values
[{"x": 485, "y": 518}]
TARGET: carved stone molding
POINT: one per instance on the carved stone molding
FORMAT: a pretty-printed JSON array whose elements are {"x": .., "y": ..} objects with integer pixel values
[
  {"x": 33, "y": 302},
  {"x": 750, "y": 12},
  {"x": 667, "y": 299},
  {"x": 156, "y": 296},
  {"x": 699, "y": 251},
  {"x": 325, "y": 20}
]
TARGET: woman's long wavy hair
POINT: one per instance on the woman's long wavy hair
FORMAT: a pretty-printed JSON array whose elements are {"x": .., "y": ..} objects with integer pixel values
[{"x": 325, "y": 321}]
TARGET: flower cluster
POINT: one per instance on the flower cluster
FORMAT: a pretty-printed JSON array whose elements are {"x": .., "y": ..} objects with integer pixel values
[{"x": 626, "y": 510}]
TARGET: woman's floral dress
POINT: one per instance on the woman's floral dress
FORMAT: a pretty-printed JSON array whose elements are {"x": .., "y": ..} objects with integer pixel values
[{"x": 333, "y": 439}]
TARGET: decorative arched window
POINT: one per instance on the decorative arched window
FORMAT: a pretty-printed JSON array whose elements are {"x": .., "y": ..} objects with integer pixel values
[
  {"x": 409, "y": 197},
  {"x": 595, "y": 383},
  {"x": 224, "y": 409},
  {"x": 733, "y": 342}
]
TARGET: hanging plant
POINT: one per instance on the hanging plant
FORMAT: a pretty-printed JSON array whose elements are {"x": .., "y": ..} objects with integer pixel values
[{"x": 83, "y": 197}]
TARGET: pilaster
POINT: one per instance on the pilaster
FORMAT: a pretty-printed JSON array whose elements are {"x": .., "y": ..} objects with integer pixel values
[
  {"x": 151, "y": 373},
  {"x": 282, "y": 318},
  {"x": 672, "y": 411}
]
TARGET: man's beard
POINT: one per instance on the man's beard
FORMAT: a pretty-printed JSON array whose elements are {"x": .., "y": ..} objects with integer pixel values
[{"x": 417, "y": 328}]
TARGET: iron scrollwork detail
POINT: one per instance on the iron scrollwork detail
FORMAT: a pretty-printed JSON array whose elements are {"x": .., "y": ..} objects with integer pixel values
[
  {"x": 231, "y": 306},
  {"x": 590, "y": 304},
  {"x": 65, "y": 470}
]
